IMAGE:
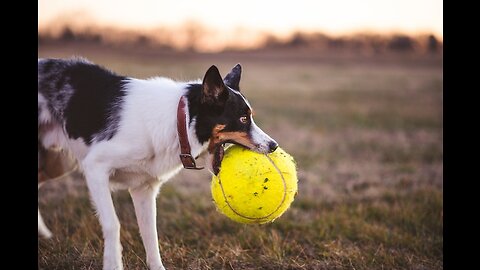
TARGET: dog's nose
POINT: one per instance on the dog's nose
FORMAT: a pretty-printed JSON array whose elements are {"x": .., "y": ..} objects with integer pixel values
[{"x": 272, "y": 146}]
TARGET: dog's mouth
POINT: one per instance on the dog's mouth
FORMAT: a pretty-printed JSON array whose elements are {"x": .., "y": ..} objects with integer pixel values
[
  {"x": 219, "y": 152},
  {"x": 237, "y": 143}
]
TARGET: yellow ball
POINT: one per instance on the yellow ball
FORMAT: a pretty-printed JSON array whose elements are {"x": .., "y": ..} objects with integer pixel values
[{"x": 254, "y": 188}]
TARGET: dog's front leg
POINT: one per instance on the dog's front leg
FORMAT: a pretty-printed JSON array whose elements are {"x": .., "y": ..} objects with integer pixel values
[
  {"x": 97, "y": 176},
  {"x": 143, "y": 199}
]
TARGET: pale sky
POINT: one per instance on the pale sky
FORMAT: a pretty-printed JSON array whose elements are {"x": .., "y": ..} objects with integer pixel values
[{"x": 329, "y": 16}]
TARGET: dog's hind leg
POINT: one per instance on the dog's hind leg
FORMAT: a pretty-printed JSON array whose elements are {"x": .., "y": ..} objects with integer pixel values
[
  {"x": 42, "y": 228},
  {"x": 144, "y": 198},
  {"x": 50, "y": 166}
]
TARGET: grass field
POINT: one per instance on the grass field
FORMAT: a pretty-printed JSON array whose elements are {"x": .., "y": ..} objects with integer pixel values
[{"x": 366, "y": 133}]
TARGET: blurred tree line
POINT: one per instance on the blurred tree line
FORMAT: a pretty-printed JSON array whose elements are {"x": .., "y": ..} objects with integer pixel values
[
  {"x": 192, "y": 34},
  {"x": 374, "y": 43}
]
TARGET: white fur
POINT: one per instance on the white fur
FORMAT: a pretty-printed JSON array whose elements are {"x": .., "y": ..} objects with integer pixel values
[
  {"x": 44, "y": 115},
  {"x": 259, "y": 138}
]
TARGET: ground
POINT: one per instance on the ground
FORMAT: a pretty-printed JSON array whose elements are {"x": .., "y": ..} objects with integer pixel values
[{"x": 366, "y": 132}]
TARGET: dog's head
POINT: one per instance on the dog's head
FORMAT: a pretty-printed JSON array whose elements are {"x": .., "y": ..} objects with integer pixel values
[{"x": 225, "y": 116}]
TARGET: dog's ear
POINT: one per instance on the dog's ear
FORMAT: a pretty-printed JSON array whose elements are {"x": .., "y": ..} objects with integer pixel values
[
  {"x": 214, "y": 90},
  {"x": 233, "y": 78}
]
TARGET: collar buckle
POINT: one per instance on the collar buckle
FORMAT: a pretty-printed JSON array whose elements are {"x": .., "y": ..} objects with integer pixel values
[{"x": 189, "y": 162}]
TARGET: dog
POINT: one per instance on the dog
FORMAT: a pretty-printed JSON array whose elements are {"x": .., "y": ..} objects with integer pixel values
[{"x": 135, "y": 134}]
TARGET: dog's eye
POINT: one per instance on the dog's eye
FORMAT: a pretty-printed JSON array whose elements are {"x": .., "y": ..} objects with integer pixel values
[{"x": 243, "y": 119}]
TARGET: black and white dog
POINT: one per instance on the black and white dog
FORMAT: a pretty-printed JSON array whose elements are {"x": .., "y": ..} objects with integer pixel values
[{"x": 123, "y": 133}]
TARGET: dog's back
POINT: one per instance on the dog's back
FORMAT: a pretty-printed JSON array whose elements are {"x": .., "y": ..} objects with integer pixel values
[{"x": 70, "y": 92}]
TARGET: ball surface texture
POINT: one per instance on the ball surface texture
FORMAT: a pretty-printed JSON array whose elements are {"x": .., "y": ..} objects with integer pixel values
[{"x": 253, "y": 187}]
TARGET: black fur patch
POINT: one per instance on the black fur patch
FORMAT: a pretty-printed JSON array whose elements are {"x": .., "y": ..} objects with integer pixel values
[
  {"x": 85, "y": 97},
  {"x": 232, "y": 79},
  {"x": 208, "y": 115}
]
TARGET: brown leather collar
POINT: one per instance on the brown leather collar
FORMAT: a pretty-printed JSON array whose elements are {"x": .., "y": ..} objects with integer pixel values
[{"x": 182, "y": 126}]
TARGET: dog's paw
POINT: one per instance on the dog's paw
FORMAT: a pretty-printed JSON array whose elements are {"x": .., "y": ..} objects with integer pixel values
[
  {"x": 113, "y": 267},
  {"x": 156, "y": 267},
  {"x": 112, "y": 264}
]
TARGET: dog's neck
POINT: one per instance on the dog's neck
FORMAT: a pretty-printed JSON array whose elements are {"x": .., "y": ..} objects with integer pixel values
[
  {"x": 196, "y": 145},
  {"x": 202, "y": 127}
]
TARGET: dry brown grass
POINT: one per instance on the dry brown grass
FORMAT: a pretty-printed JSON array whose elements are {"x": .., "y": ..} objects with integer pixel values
[{"x": 367, "y": 136}]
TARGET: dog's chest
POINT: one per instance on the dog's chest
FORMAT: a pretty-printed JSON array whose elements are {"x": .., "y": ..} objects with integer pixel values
[{"x": 153, "y": 168}]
